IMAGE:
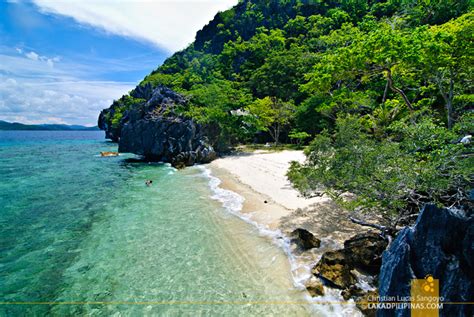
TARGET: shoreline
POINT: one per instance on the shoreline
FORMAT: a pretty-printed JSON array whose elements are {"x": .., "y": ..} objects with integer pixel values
[
  {"x": 273, "y": 216},
  {"x": 274, "y": 203}
]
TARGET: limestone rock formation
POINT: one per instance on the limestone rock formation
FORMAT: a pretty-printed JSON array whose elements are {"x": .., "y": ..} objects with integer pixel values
[
  {"x": 158, "y": 132},
  {"x": 439, "y": 244},
  {"x": 362, "y": 252}
]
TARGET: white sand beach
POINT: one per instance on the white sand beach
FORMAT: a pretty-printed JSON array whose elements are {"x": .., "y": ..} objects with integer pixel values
[
  {"x": 272, "y": 202},
  {"x": 265, "y": 173},
  {"x": 260, "y": 177}
]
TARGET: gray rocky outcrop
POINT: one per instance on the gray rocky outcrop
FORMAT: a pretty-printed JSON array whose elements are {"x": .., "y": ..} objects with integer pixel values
[
  {"x": 364, "y": 251},
  {"x": 441, "y": 244},
  {"x": 315, "y": 287},
  {"x": 158, "y": 132}
]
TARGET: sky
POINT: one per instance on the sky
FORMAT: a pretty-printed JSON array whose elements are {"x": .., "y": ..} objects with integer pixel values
[{"x": 62, "y": 61}]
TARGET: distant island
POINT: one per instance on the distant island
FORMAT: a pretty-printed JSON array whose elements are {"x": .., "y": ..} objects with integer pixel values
[{"x": 4, "y": 125}]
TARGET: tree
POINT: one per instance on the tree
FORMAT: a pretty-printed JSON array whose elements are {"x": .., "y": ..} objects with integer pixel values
[
  {"x": 299, "y": 136},
  {"x": 270, "y": 114},
  {"x": 448, "y": 59},
  {"x": 387, "y": 51},
  {"x": 281, "y": 74},
  {"x": 213, "y": 104},
  {"x": 394, "y": 178}
]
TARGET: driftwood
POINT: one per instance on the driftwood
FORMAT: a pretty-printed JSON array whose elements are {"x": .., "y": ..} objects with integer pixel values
[
  {"x": 386, "y": 232},
  {"x": 367, "y": 224}
]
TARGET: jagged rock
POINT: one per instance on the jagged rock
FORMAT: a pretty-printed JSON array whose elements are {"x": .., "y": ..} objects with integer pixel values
[
  {"x": 305, "y": 239},
  {"x": 334, "y": 268},
  {"x": 435, "y": 245},
  {"x": 352, "y": 292},
  {"x": 315, "y": 287},
  {"x": 156, "y": 131},
  {"x": 112, "y": 133},
  {"x": 362, "y": 302},
  {"x": 396, "y": 272},
  {"x": 364, "y": 251},
  {"x": 468, "y": 246}
]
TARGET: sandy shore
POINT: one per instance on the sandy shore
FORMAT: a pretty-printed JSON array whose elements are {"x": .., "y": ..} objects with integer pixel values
[
  {"x": 261, "y": 176},
  {"x": 265, "y": 173},
  {"x": 271, "y": 201}
]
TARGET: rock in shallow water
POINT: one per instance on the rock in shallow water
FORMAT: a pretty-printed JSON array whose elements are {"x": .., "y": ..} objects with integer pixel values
[
  {"x": 158, "y": 132},
  {"x": 362, "y": 252},
  {"x": 305, "y": 239},
  {"x": 334, "y": 268},
  {"x": 315, "y": 287}
]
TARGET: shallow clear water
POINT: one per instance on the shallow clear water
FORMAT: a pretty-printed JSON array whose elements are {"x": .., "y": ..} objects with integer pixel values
[{"x": 76, "y": 227}]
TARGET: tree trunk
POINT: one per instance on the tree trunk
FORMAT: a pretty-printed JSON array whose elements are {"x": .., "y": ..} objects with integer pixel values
[
  {"x": 448, "y": 97},
  {"x": 398, "y": 90},
  {"x": 449, "y": 110},
  {"x": 449, "y": 103},
  {"x": 277, "y": 133},
  {"x": 385, "y": 92},
  {"x": 274, "y": 132}
]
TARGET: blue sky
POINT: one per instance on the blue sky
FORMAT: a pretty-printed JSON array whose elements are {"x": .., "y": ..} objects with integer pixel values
[{"x": 64, "y": 61}]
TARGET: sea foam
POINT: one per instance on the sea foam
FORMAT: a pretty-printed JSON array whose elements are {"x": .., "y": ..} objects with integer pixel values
[{"x": 300, "y": 271}]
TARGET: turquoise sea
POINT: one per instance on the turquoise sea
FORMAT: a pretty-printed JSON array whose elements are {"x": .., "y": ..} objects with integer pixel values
[{"x": 83, "y": 235}]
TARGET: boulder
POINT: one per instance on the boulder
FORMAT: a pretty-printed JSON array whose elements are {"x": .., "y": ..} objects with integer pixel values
[
  {"x": 436, "y": 245},
  {"x": 352, "y": 292},
  {"x": 305, "y": 239},
  {"x": 334, "y": 268},
  {"x": 364, "y": 251},
  {"x": 315, "y": 287},
  {"x": 362, "y": 302}
]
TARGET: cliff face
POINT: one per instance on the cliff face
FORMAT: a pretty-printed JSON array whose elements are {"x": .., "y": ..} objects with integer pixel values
[
  {"x": 156, "y": 131},
  {"x": 440, "y": 244}
]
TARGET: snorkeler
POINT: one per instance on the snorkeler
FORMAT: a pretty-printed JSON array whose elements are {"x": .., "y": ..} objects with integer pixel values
[{"x": 148, "y": 182}]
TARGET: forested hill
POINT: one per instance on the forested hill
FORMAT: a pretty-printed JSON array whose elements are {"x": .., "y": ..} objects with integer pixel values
[
  {"x": 391, "y": 77},
  {"x": 317, "y": 59}
]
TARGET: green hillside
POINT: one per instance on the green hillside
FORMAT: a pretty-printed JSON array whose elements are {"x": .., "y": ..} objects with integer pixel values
[{"x": 383, "y": 87}]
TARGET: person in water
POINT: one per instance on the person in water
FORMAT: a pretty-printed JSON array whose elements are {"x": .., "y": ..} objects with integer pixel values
[{"x": 148, "y": 182}]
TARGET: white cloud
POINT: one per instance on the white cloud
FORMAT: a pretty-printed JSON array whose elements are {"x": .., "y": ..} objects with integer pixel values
[
  {"x": 37, "y": 88},
  {"x": 36, "y": 57},
  {"x": 33, "y": 92},
  {"x": 165, "y": 23},
  {"x": 32, "y": 55},
  {"x": 69, "y": 102}
]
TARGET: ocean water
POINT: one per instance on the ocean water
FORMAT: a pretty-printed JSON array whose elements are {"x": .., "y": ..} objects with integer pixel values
[{"x": 82, "y": 235}]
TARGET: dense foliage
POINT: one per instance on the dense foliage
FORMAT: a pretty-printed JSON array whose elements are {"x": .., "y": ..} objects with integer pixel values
[{"x": 384, "y": 87}]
